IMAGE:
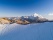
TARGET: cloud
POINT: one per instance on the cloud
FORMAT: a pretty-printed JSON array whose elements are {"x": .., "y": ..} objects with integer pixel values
[{"x": 50, "y": 14}]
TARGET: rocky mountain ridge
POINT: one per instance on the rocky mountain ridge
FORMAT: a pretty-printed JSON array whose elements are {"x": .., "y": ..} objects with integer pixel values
[{"x": 36, "y": 18}]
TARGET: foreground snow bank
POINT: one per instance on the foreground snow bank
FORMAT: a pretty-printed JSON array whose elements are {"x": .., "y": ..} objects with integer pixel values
[
  {"x": 41, "y": 31},
  {"x": 6, "y": 28}
]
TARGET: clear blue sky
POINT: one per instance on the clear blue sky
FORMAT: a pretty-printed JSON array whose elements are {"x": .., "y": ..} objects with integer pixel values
[{"x": 25, "y": 7}]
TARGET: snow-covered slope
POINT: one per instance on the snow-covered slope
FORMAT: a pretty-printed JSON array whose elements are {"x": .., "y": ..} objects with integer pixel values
[
  {"x": 35, "y": 15},
  {"x": 42, "y": 31},
  {"x": 4, "y": 28},
  {"x": 7, "y": 28}
]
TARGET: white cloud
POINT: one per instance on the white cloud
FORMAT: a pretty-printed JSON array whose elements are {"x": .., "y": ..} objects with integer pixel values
[{"x": 50, "y": 14}]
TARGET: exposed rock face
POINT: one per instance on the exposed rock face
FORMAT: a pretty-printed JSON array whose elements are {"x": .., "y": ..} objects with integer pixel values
[
  {"x": 19, "y": 21},
  {"x": 4, "y": 21}
]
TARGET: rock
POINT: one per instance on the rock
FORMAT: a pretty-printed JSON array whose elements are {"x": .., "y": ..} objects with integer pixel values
[
  {"x": 4, "y": 21},
  {"x": 19, "y": 21}
]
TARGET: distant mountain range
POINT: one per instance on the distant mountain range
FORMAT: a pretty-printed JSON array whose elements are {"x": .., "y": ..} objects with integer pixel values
[{"x": 36, "y": 18}]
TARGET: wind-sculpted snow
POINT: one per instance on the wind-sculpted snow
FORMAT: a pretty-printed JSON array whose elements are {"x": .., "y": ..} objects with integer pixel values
[{"x": 6, "y": 28}]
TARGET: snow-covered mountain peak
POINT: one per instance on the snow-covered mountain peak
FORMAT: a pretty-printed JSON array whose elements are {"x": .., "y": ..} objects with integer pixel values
[{"x": 35, "y": 15}]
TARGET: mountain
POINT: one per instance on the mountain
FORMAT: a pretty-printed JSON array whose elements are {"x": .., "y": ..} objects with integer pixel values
[
  {"x": 38, "y": 17},
  {"x": 35, "y": 18}
]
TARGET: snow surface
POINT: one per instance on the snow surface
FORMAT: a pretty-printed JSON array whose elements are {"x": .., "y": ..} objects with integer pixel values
[
  {"x": 6, "y": 28},
  {"x": 40, "y": 31}
]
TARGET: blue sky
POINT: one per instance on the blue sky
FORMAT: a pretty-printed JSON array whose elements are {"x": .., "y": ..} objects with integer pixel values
[{"x": 25, "y": 7}]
